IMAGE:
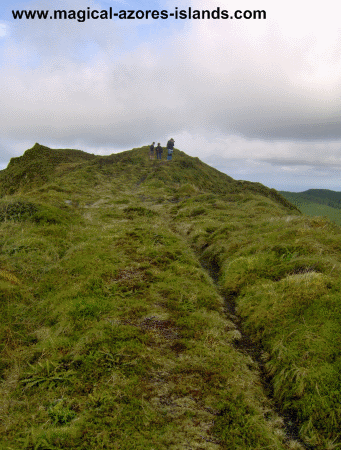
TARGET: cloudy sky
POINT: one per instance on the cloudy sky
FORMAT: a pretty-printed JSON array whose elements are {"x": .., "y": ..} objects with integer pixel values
[{"x": 258, "y": 99}]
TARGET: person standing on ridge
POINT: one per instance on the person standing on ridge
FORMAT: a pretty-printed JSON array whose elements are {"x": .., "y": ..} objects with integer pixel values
[
  {"x": 170, "y": 145},
  {"x": 151, "y": 154},
  {"x": 159, "y": 151}
]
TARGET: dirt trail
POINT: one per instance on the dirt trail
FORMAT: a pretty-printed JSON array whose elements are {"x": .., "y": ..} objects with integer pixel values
[{"x": 255, "y": 351}]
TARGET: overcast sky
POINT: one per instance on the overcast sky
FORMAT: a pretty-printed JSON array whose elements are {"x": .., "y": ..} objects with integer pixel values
[{"x": 258, "y": 99}]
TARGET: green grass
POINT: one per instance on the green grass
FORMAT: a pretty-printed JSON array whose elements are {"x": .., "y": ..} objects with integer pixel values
[
  {"x": 283, "y": 275},
  {"x": 114, "y": 332},
  {"x": 113, "y": 336}
]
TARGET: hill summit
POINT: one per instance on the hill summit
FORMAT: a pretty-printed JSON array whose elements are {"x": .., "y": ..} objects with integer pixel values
[
  {"x": 41, "y": 164},
  {"x": 163, "y": 305}
]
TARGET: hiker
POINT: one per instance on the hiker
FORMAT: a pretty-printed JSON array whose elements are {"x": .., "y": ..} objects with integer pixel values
[
  {"x": 151, "y": 154},
  {"x": 159, "y": 151},
  {"x": 170, "y": 145}
]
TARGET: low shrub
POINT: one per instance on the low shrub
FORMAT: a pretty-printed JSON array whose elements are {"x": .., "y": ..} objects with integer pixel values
[{"x": 17, "y": 210}]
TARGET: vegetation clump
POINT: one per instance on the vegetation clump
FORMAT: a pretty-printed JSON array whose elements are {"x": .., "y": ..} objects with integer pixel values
[
  {"x": 23, "y": 210},
  {"x": 17, "y": 210}
]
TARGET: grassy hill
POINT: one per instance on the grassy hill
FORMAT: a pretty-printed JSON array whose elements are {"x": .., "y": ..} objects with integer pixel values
[
  {"x": 163, "y": 305},
  {"x": 323, "y": 197},
  {"x": 317, "y": 202}
]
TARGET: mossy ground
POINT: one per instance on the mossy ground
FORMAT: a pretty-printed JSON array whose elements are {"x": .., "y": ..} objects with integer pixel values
[{"x": 113, "y": 336}]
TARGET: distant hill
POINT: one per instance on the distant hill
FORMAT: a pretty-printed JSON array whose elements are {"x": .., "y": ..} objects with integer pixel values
[
  {"x": 163, "y": 305},
  {"x": 317, "y": 202}
]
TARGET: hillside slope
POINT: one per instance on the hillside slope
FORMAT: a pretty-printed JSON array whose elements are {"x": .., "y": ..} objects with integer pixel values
[
  {"x": 317, "y": 202},
  {"x": 323, "y": 197},
  {"x": 114, "y": 334}
]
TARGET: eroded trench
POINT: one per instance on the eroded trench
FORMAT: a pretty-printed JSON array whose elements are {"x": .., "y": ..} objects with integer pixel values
[{"x": 247, "y": 346}]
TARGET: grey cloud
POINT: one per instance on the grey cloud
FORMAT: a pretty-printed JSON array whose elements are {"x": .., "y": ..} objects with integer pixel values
[
  {"x": 301, "y": 162},
  {"x": 296, "y": 179},
  {"x": 172, "y": 92},
  {"x": 5, "y": 155},
  {"x": 274, "y": 129},
  {"x": 309, "y": 164}
]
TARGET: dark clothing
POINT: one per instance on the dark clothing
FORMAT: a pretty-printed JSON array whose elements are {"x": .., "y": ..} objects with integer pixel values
[
  {"x": 151, "y": 148},
  {"x": 170, "y": 145},
  {"x": 159, "y": 151}
]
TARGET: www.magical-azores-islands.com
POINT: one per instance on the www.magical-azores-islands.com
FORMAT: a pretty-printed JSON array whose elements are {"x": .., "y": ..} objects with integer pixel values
[{"x": 130, "y": 14}]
